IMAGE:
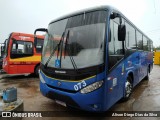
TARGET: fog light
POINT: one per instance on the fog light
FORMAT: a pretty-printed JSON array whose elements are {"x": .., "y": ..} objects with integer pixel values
[{"x": 95, "y": 106}]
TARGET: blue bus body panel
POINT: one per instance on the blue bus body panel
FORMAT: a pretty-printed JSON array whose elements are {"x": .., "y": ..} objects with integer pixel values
[
  {"x": 69, "y": 85},
  {"x": 82, "y": 101},
  {"x": 135, "y": 64},
  {"x": 111, "y": 91}
]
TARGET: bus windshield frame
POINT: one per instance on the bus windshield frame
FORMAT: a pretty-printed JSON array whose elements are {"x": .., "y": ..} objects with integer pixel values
[{"x": 83, "y": 41}]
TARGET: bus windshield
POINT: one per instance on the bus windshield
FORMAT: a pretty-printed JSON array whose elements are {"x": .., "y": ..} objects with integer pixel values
[{"x": 82, "y": 38}]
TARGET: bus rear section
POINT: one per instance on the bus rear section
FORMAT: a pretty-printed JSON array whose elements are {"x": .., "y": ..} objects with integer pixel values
[
  {"x": 95, "y": 62},
  {"x": 22, "y": 55}
]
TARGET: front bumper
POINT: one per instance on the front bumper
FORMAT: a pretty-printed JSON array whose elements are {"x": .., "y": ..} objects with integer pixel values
[{"x": 92, "y": 101}]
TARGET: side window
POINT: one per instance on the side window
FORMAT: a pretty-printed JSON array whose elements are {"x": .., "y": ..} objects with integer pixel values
[
  {"x": 145, "y": 43},
  {"x": 111, "y": 43},
  {"x": 39, "y": 45},
  {"x": 139, "y": 40},
  {"x": 14, "y": 51},
  {"x": 130, "y": 37},
  {"x": 151, "y": 44},
  {"x": 21, "y": 49},
  {"x": 115, "y": 46},
  {"x": 28, "y": 48}
]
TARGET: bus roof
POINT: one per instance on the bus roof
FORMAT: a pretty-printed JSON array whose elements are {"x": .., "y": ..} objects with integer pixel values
[{"x": 83, "y": 11}]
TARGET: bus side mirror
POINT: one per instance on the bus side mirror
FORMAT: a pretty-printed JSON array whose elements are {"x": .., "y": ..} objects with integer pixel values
[
  {"x": 121, "y": 32},
  {"x": 38, "y": 30}
]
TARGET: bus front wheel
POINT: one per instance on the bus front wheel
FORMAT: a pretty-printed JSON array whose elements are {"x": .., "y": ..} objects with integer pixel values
[{"x": 128, "y": 88}]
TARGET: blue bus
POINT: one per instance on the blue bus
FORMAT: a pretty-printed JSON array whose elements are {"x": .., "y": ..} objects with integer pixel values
[{"x": 93, "y": 58}]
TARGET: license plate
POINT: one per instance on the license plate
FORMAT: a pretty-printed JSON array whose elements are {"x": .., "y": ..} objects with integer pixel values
[{"x": 61, "y": 103}]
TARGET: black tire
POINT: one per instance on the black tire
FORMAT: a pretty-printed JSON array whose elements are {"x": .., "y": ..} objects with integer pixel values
[
  {"x": 148, "y": 72},
  {"x": 36, "y": 71},
  {"x": 128, "y": 89}
]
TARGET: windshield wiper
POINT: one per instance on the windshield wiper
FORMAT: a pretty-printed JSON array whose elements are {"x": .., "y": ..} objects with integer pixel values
[
  {"x": 57, "y": 46},
  {"x": 65, "y": 49},
  {"x": 66, "y": 43}
]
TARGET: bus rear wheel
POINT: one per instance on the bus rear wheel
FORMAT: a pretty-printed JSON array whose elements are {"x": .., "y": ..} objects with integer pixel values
[
  {"x": 128, "y": 88},
  {"x": 148, "y": 72}
]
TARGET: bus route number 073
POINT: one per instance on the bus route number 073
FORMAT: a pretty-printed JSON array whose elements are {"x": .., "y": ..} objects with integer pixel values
[{"x": 80, "y": 85}]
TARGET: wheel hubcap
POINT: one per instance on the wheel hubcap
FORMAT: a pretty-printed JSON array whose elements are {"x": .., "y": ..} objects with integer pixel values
[{"x": 128, "y": 87}]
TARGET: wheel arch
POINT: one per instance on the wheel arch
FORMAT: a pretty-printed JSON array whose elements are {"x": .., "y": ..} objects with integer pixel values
[{"x": 36, "y": 66}]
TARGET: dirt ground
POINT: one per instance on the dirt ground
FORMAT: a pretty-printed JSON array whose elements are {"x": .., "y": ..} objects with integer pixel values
[{"x": 145, "y": 97}]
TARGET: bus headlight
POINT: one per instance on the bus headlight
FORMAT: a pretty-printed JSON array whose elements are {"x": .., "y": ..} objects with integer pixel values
[
  {"x": 92, "y": 87},
  {"x": 41, "y": 78}
]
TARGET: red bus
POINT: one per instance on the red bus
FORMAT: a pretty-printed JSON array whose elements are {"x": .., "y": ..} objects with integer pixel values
[{"x": 22, "y": 53}]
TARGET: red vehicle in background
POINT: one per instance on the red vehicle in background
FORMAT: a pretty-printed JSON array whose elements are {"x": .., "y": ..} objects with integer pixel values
[{"x": 22, "y": 53}]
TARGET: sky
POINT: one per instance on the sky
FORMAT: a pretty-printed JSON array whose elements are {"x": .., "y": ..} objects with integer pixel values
[{"x": 27, "y": 15}]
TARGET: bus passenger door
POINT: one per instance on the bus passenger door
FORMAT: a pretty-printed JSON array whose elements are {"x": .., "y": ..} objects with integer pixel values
[
  {"x": 139, "y": 56},
  {"x": 115, "y": 67}
]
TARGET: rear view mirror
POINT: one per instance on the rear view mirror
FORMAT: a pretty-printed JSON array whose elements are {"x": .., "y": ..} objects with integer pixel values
[
  {"x": 121, "y": 32},
  {"x": 38, "y": 30}
]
